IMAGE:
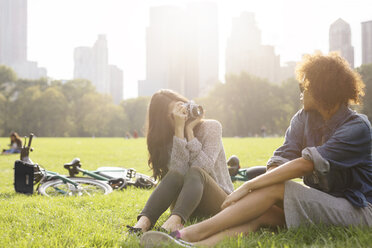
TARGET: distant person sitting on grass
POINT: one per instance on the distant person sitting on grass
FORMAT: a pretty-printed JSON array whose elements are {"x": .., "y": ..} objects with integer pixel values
[
  {"x": 327, "y": 144},
  {"x": 15, "y": 144},
  {"x": 187, "y": 155}
]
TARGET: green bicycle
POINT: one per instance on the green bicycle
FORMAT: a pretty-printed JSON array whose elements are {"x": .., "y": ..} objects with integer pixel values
[{"x": 102, "y": 181}]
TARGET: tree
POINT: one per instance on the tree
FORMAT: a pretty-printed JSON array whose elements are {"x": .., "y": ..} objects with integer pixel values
[
  {"x": 6, "y": 75},
  {"x": 23, "y": 115},
  {"x": 54, "y": 108},
  {"x": 291, "y": 103},
  {"x": 51, "y": 113},
  {"x": 244, "y": 104},
  {"x": 135, "y": 110},
  {"x": 74, "y": 91},
  {"x": 2, "y": 112},
  {"x": 101, "y": 117}
]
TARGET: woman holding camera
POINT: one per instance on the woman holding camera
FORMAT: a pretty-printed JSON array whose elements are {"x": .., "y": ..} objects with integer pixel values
[{"x": 187, "y": 155}]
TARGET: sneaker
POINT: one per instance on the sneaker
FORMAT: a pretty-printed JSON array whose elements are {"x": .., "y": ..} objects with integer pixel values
[
  {"x": 156, "y": 239},
  {"x": 134, "y": 230}
]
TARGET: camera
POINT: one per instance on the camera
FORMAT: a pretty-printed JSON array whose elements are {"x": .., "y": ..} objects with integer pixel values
[{"x": 193, "y": 110}]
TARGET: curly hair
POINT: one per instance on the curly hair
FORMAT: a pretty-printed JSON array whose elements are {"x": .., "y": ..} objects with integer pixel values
[{"x": 330, "y": 80}]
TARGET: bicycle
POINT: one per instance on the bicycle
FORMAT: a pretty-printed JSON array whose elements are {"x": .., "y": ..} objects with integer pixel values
[
  {"x": 117, "y": 177},
  {"x": 245, "y": 174},
  {"x": 27, "y": 174}
]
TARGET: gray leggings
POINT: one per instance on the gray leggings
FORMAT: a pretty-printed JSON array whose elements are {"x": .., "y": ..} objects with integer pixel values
[{"x": 194, "y": 195}]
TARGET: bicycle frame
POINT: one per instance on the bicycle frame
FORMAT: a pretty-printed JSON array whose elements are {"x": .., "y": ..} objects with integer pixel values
[
  {"x": 241, "y": 176},
  {"x": 100, "y": 174},
  {"x": 49, "y": 174}
]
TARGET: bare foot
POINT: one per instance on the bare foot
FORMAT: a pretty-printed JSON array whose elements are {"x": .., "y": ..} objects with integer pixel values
[
  {"x": 173, "y": 223},
  {"x": 144, "y": 223}
]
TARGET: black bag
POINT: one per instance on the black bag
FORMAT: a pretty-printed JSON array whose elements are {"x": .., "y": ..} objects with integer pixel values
[{"x": 23, "y": 177}]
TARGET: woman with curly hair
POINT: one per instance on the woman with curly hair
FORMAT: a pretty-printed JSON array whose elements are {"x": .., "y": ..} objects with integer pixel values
[
  {"x": 327, "y": 144},
  {"x": 187, "y": 155}
]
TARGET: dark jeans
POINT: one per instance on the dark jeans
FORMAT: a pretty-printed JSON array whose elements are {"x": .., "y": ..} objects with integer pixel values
[{"x": 196, "y": 194}]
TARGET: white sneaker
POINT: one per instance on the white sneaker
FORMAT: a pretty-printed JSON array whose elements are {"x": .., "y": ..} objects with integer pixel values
[{"x": 156, "y": 239}]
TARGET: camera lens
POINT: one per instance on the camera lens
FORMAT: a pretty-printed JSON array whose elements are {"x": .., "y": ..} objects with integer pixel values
[{"x": 197, "y": 111}]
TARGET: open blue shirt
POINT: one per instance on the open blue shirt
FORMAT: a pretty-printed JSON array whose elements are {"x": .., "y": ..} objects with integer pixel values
[{"x": 340, "y": 149}]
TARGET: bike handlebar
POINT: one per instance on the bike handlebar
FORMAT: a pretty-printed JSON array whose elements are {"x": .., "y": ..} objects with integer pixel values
[{"x": 30, "y": 140}]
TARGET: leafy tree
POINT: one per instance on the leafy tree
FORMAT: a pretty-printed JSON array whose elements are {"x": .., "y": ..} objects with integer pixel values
[
  {"x": 291, "y": 103},
  {"x": 135, "y": 110},
  {"x": 244, "y": 104},
  {"x": 24, "y": 116},
  {"x": 101, "y": 117},
  {"x": 51, "y": 113},
  {"x": 7, "y": 75},
  {"x": 74, "y": 91},
  {"x": 2, "y": 112}
]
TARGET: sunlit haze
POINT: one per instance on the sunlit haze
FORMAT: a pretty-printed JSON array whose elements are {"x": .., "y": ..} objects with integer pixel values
[{"x": 56, "y": 27}]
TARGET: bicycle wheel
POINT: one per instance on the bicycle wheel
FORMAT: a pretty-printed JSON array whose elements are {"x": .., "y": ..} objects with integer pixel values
[
  {"x": 144, "y": 181},
  {"x": 87, "y": 186}
]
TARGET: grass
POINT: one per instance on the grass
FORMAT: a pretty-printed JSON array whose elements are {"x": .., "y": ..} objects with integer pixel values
[{"x": 37, "y": 221}]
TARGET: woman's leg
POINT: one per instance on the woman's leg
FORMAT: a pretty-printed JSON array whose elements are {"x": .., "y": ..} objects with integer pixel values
[
  {"x": 272, "y": 218},
  {"x": 244, "y": 211},
  {"x": 161, "y": 198},
  {"x": 200, "y": 196}
]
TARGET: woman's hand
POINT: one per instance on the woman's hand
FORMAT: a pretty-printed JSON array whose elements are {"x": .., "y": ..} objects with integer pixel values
[
  {"x": 190, "y": 127},
  {"x": 180, "y": 116},
  {"x": 235, "y": 196}
]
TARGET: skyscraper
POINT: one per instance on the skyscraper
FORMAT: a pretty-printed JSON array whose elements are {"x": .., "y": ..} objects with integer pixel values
[
  {"x": 367, "y": 42},
  {"x": 164, "y": 51},
  {"x": 340, "y": 40},
  {"x": 116, "y": 83},
  {"x": 202, "y": 22},
  {"x": 245, "y": 53},
  {"x": 181, "y": 49},
  {"x": 13, "y": 31},
  {"x": 92, "y": 63},
  {"x": 13, "y": 39}
]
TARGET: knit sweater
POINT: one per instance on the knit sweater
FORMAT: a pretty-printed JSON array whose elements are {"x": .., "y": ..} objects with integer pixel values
[{"x": 205, "y": 151}]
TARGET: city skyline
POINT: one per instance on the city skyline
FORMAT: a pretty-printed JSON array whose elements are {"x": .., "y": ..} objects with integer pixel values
[{"x": 76, "y": 24}]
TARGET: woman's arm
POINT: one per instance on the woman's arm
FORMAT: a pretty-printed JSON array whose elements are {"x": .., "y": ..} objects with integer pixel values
[
  {"x": 179, "y": 157},
  {"x": 292, "y": 146},
  {"x": 296, "y": 168},
  {"x": 205, "y": 155}
]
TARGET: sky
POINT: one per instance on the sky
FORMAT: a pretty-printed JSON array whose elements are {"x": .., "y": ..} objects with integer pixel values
[{"x": 293, "y": 27}]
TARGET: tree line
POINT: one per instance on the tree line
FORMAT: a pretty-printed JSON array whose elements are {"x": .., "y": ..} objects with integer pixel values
[
  {"x": 73, "y": 108},
  {"x": 245, "y": 105}
]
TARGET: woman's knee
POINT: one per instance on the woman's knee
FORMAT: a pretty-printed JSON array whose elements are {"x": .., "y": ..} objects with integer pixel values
[
  {"x": 194, "y": 173},
  {"x": 173, "y": 178}
]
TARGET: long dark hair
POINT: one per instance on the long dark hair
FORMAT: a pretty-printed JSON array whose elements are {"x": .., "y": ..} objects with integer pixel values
[
  {"x": 160, "y": 131},
  {"x": 17, "y": 139}
]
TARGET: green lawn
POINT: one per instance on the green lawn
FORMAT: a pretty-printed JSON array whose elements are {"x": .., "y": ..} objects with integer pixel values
[{"x": 37, "y": 221}]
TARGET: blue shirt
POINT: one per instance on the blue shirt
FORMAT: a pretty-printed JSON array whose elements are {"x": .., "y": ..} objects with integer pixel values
[{"x": 340, "y": 149}]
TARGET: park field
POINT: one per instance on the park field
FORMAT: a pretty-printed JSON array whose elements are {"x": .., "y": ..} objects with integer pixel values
[{"x": 38, "y": 221}]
